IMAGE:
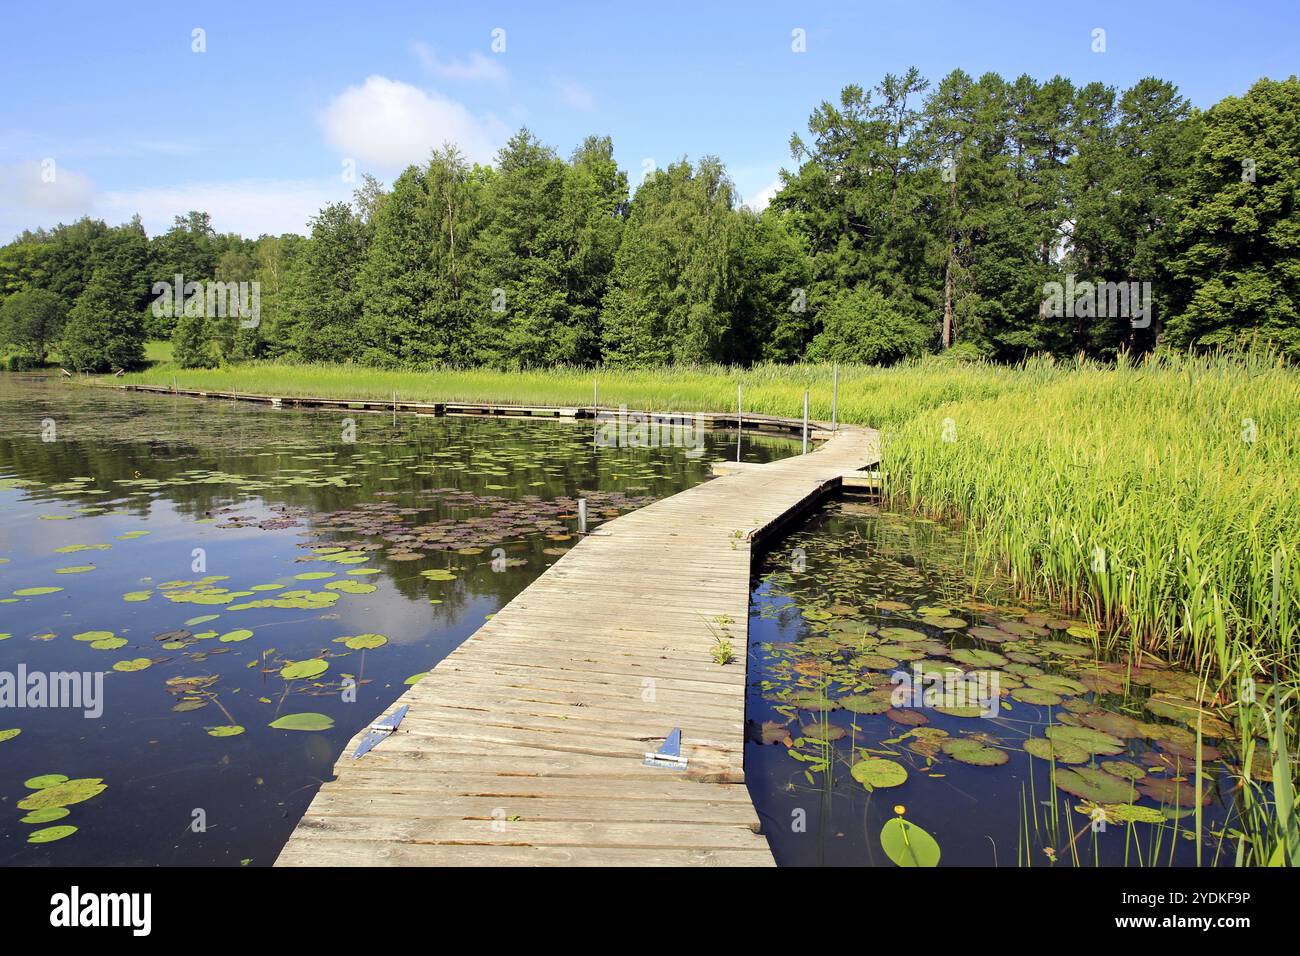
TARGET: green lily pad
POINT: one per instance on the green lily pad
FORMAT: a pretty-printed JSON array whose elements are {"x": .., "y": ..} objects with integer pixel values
[
  {"x": 303, "y": 722},
  {"x": 973, "y": 752},
  {"x": 9, "y": 734},
  {"x": 50, "y": 834},
  {"x": 878, "y": 773},
  {"x": 1126, "y": 771},
  {"x": 351, "y": 587},
  {"x": 48, "y": 815},
  {"x": 304, "y": 670},
  {"x": 233, "y": 637},
  {"x": 363, "y": 642},
  {"x": 43, "y": 781},
  {"x": 1095, "y": 785},
  {"x": 864, "y": 703},
  {"x": 227, "y": 730},
  {"x": 1062, "y": 752},
  {"x": 64, "y": 794},
  {"x": 33, "y": 592},
  {"x": 908, "y": 845},
  {"x": 1128, "y": 813},
  {"x": 1033, "y": 695},
  {"x": 138, "y": 664},
  {"x": 1085, "y": 738}
]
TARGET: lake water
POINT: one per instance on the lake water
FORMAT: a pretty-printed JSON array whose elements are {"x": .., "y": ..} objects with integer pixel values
[
  {"x": 226, "y": 567},
  {"x": 846, "y": 610}
]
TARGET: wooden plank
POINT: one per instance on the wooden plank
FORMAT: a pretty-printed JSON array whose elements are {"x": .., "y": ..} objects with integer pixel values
[{"x": 524, "y": 745}]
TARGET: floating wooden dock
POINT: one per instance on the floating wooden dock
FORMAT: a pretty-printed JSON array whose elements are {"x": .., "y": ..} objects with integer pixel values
[
  {"x": 524, "y": 746},
  {"x": 713, "y": 420}
]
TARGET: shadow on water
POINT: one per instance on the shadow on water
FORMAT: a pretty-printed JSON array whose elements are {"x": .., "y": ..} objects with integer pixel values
[
  {"x": 884, "y": 684},
  {"x": 225, "y": 566}
]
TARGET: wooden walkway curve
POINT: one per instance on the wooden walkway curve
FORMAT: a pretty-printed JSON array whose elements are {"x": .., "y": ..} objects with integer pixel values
[{"x": 524, "y": 746}]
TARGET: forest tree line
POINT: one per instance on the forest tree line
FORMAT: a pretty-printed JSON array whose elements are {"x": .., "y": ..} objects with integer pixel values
[{"x": 916, "y": 219}]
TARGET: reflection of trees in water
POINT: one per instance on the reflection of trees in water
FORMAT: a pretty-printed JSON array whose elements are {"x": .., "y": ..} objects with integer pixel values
[{"x": 117, "y": 437}]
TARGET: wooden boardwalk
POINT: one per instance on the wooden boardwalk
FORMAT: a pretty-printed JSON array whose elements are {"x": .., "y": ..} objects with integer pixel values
[{"x": 524, "y": 746}]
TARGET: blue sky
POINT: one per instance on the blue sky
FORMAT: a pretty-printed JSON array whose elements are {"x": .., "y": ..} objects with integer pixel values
[{"x": 257, "y": 129}]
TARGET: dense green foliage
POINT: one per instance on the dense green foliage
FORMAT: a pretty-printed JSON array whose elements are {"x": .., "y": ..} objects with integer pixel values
[{"x": 916, "y": 219}]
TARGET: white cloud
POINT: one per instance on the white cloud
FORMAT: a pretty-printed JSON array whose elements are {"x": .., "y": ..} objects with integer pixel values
[
  {"x": 478, "y": 68},
  {"x": 760, "y": 201},
  {"x": 575, "y": 94},
  {"x": 44, "y": 188},
  {"x": 249, "y": 207},
  {"x": 391, "y": 124}
]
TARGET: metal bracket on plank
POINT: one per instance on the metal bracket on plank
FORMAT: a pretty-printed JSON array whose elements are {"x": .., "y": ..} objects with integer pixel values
[
  {"x": 669, "y": 754},
  {"x": 380, "y": 730}
]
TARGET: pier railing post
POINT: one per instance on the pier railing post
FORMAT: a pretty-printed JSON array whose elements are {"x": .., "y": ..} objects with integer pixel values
[
  {"x": 740, "y": 419},
  {"x": 835, "y": 397},
  {"x": 805, "y": 421},
  {"x": 582, "y": 516}
]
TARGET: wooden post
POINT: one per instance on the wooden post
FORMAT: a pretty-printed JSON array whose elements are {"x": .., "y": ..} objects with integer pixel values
[
  {"x": 740, "y": 420},
  {"x": 595, "y": 390},
  {"x": 394, "y": 408},
  {"x": 582, "y": 516},
  {"x": 805, "y": 421},
  {"x": 835, "y": 397}
]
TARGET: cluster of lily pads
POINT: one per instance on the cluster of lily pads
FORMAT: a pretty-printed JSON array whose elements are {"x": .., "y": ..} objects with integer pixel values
[
  {"x": 51, "y": 795},
  {"x": 848, "y": 690}
]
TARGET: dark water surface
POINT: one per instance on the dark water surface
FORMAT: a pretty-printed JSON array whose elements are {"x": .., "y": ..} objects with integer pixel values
[
  {"x": 170, "y": 525},
  {"x": 845, "y": 607}
]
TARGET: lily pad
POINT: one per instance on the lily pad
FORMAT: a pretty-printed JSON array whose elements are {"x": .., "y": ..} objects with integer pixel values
[
  {"x": 227, "y": 730},
  {"x": 878, "y": 773},
  {"x": 363, "y": 642},
  {"x": 304, "y": 670},
  {"x": 1096, "y": 785},
  {"x": 1061, "y": 751},
  {"x": 48, "y": 815},
  {"x": 50, "y": 834},
  {"x": 973, "y": 752},
  {"x": 1085, "y": 738},
  {"x": 64, "y": 794},
  {"x": 308, "y": 721},
  {"x": 908, "y": 845}
]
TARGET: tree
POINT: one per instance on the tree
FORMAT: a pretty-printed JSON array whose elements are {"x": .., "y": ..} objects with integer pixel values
[
  {"x": 326, "y": 302},
  {"x": 863, "y": 325},
  {"x": 1238, "y": 240},
  {"x": 186, "y": 250},
  {"x": 193, "y": 342},
  {"x": 675, "y": 295},
  {"x": 31, "y": 320},
  {"x": 105, "y": 330},
  {"x": 415, "y": 280}
]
